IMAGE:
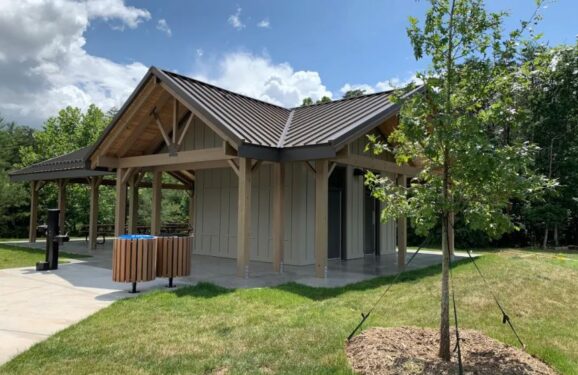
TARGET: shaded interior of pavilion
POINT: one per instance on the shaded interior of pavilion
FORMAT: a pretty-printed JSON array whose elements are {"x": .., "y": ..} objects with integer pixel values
[{"x": 74, "y": 169}]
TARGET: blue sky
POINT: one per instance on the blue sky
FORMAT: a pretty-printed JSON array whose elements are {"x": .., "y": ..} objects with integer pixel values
[{"x": 275, "y": 50}]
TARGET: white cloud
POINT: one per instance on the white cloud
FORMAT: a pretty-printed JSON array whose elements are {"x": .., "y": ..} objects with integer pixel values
[
  {"x": 385, "y": 85},
  {"x": 259, "y": 77},
  {"x": 264, "y": 24},
  {"x": 44, "y": 66},
  {"x": 163, "y": 26},
  {"x": 200, "y": 52},
  {"x": 235, "y": 19}
]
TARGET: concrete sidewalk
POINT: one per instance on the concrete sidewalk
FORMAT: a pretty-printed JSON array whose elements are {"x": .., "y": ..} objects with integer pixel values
[{"x": 35, "y": 305}]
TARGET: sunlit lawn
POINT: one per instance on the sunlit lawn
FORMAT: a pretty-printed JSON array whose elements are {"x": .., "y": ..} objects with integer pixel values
[
  {"x": 12, "y": 256},
  {"x": 294, "y": 329}
]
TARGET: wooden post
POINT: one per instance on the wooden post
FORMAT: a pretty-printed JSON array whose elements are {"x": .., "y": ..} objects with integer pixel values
[
  {"x": 33, "y": 211},
  {"x": 93, "y": 215},
  {"x": 244, "y": 219},
  {"x": 156, "y": 204},
  {"x": 401, "y": 231},
  {"x": 133, "y": 203},
  {"x": 321, "y": 206},
  {"x": 278, "y": 215},
  {"x": 120, "y": 207},
  {"x": 62, "y": 204},
  {"x": 192, "y": 209}
]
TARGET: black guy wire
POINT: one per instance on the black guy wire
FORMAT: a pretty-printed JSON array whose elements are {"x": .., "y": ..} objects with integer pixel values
[
  {"x": 365, "y": 316},
  {"x": 505, "y": 317},
  {"x": 458, "y": 346}
]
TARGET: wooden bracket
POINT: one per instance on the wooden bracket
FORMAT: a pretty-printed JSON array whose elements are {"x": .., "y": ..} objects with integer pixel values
[
  {"x": 308, "y": 163},
  {"x": 185, "y": 130},
  {"x": 332, "y": 166},
  {"x": 256, "y": 165},
  {"x": 234, "y": 166},
  {"x": 170, "y": 145}
]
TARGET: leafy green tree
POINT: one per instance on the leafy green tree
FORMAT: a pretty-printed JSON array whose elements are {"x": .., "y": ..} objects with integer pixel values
[
  {"x": 458, "y": 126},
  {"x": 13, "y": 196},
  {"x": 553, "y": 126},
  {"x": 306, "y": 101},
  {"x": 323, "y": 100},
  {"x": 353, "y": 93},
  {"x": 69, "y": 131}
]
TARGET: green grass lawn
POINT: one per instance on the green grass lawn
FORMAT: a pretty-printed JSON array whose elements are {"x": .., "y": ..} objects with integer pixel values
[
  {"x": 294, "y": 329},
  {"x": 13, "y": 256}
]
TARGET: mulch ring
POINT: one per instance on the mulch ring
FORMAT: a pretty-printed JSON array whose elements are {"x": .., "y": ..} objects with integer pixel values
[{"x": 411, "y": 350}]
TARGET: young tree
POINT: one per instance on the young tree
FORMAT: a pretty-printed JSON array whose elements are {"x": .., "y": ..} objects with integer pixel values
[{"x": 460, "y": 126}]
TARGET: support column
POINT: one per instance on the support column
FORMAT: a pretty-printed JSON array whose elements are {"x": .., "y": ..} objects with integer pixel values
[
  {"x": 278, "y": 216},
  {"x": 191, "y": 194},
  {"x": 62, "y": 204},
  {"x": 401, "y": 231},
  {"x": 33, "y": 211},
  {"x": 133, "y": 203},
  {"x": 156, "y": 204},
  {"x": 93, "y": 216},
  {"x": 120, "y": 207},
  {"x": 321, "y": 207},
  {"x": 244, "y": 219}
]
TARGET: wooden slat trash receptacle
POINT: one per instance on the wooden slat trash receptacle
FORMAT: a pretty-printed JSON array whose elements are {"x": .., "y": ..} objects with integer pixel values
[
  {"x": 134, "y": 259},
  {"x": 173, "y": 257}
]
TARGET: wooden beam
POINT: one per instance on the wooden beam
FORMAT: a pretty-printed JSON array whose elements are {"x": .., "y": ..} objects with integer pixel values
[
  {"x": 207, "y": 154},
  {"x": 120, "y": 206},
  {"x": 321, "y": 207},
  {"x": 104, "y": 161},
  {"x": 175, "y": 119},
  {"x": 93, "y": 213},
  {"x": 127, "y": 117},
  {"x": 244, "y": 219},
  {"x": 161, "y": 127},
  {"x": 192, "y": 209},
  {"x": 332, "y": 166},
  {"x": 401, "y": 231},
  {"x": 62, "y": 204},
  {"x": 133, "y": 203},
  {"x": 278, "y": 216},
  {"x": 156, "y": 204},
  {"x": 193, "y": 165},
  {"x": 228, "y": 149},
  {"x": 234, "y": 166},
  {"x": 33, "y": 211},
  {"x": 311, "y": 167},
  {"x": 185, "y": 130},
  {"x": 365, "y": 162},
  {"x": 135, "y": 133},
  {"x": 127, "y": 175},
  {"x": 256, "y": 165}
]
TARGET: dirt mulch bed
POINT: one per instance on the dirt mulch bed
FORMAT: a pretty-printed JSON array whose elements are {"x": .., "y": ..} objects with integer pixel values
[{"x": 410, "y": 350}]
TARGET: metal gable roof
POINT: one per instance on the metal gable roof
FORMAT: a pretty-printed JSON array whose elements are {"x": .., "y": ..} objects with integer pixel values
[{"x": 71, "y": 165}]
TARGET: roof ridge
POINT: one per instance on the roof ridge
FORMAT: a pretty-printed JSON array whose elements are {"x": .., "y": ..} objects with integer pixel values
[
  {"x": 346, "y": 99},
  {"x": 225, "y": 90},
  {"x": 285, "y": 129}
]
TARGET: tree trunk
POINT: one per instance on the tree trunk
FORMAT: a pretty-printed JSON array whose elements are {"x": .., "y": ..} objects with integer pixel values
[
  {"x": 556, "y": 242},
  {"x": 444, "y": 352},
  {"x": 545, "y": 243}
]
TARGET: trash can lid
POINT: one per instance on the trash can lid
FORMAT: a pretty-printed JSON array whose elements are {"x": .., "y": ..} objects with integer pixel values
[{"x": 136, "y": 237}]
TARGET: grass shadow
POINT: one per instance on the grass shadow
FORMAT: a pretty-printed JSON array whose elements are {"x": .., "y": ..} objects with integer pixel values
[{"x": 202, "y": 290}]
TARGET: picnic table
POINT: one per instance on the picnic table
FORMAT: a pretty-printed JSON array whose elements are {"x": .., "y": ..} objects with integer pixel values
[{"x": 104, "y": 230}]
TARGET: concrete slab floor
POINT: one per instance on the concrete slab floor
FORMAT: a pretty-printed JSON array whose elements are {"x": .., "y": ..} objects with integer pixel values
[{"x": 35, "y": 305}]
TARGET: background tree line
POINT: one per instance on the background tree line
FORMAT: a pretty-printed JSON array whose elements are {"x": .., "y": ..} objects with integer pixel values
[{"x": 552, "y": 124}]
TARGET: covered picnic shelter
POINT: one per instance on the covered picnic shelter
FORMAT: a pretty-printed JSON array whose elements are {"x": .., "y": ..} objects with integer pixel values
[{"x": 267, "y": 183}]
